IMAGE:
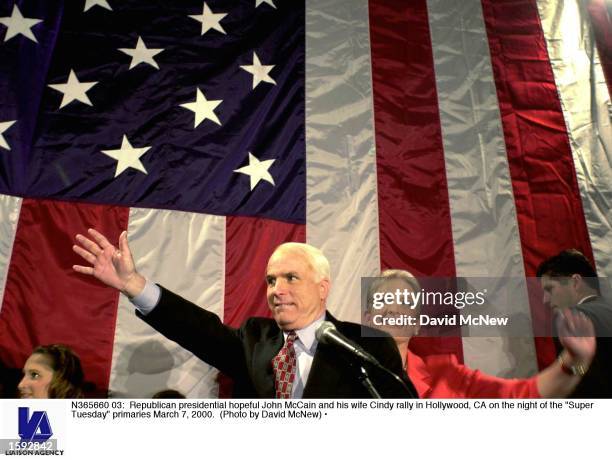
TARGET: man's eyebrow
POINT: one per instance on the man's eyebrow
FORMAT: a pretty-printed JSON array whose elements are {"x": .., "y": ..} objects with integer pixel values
[{"x": 283, "y": 274}]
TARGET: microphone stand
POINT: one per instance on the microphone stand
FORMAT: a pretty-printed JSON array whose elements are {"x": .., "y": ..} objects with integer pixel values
[
  {"x": 364, "y": 378},
  {"x": 398, "y": 379}
]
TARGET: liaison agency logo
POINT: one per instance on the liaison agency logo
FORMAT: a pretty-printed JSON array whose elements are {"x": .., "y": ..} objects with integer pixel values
[{"x": 34, "y": 429}]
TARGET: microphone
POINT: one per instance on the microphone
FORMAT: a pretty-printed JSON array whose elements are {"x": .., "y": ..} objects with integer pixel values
[{"x": 328, "y": 334}]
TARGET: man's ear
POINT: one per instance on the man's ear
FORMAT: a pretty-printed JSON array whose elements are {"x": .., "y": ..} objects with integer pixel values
[
  {"x": 577, "y": 281},
  {"x": 324, "y": 286}
]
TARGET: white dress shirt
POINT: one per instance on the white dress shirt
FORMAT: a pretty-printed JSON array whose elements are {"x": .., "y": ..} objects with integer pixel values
[
  {"x": 305, "y": 347},
  {"x": 588, "y": 297}
]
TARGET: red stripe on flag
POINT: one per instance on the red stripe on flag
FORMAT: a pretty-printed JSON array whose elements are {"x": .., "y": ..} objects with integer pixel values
[
  {"x": 45, "y": 301},
  {"x": 602, "y": 25},
  {"x": 548, "y": 204},
  {"x": 415, "y": 224},
  {"x": 249, "y": 244}
]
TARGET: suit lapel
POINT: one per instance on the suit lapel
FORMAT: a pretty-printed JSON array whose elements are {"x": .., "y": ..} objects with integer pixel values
[
  {"x": 263, "y": 353},
  {"x": 323, "y": 373}
]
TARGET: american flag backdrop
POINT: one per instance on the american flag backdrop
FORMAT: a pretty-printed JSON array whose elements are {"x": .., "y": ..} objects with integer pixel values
[{"x": 449, "y": 138}]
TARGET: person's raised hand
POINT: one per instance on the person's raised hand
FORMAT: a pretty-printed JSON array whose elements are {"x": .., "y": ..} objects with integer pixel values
[
  {"x": 112, "y": 266},
  {"x": 577, "y": 335}
]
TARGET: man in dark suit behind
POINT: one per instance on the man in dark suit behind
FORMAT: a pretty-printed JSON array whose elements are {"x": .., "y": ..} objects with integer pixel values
[
  {"x": 570, "y": 281},
  {"x": 298, "y": 284}
]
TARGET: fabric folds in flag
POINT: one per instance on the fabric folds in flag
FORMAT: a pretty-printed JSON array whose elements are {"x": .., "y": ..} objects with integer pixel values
[{"x": 446, "y": 138}]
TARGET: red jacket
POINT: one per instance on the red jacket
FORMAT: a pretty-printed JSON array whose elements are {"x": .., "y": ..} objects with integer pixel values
[{"x": 441, "y": 376}]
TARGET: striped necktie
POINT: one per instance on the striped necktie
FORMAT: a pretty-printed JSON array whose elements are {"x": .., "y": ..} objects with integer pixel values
[{"x": 284, "y": 365}]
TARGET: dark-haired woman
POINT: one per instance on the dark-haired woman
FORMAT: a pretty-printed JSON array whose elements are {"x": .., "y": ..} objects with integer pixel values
[{"x": 52, "y": 371}]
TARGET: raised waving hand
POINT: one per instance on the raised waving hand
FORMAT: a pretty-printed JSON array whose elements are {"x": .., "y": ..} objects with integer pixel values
[{"x": 112, "y": 266}]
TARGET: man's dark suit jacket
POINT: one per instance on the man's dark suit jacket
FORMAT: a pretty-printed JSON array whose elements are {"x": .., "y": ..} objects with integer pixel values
[
  {"x": 597, "y": 382},
  {"x": 245, "y": 354}
]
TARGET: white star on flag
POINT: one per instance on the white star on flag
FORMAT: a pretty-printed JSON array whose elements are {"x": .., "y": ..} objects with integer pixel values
[
  {"x": 16, "y": 24},
  {"x": 260, "y": 72},
  {"x": 74, "y": 90},
  {"x": 203, "y": 108},
  {"x": 209, "y": 19},
  {"x": 257, "y": 170},
  {"x": 142, "y": 54},
  {"x": 3, "y": 127},
  {"x": 127, "y": 156},
  {"x": 261, "y": 2},
  {"x": 91, "y": 3}
]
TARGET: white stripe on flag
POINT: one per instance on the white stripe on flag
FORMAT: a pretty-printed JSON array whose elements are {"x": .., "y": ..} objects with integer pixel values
[
  {"x": 184, "y": 252},
  {"x": 9, "y": 217},
  {"x": 342, "y": 212},
  {"x": 585, "y": 100},
  {"x": 485, "y": 230}
]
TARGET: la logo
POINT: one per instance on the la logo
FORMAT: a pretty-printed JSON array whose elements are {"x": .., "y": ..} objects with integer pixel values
[{"x": 36, "y": 428}]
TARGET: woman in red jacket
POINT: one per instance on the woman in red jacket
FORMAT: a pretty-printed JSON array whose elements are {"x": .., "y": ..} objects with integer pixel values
[{"x": 442, "y": 376}]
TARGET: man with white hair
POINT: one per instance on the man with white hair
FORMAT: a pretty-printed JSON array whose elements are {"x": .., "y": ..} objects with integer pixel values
[{"x": 266, "y": 358}]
